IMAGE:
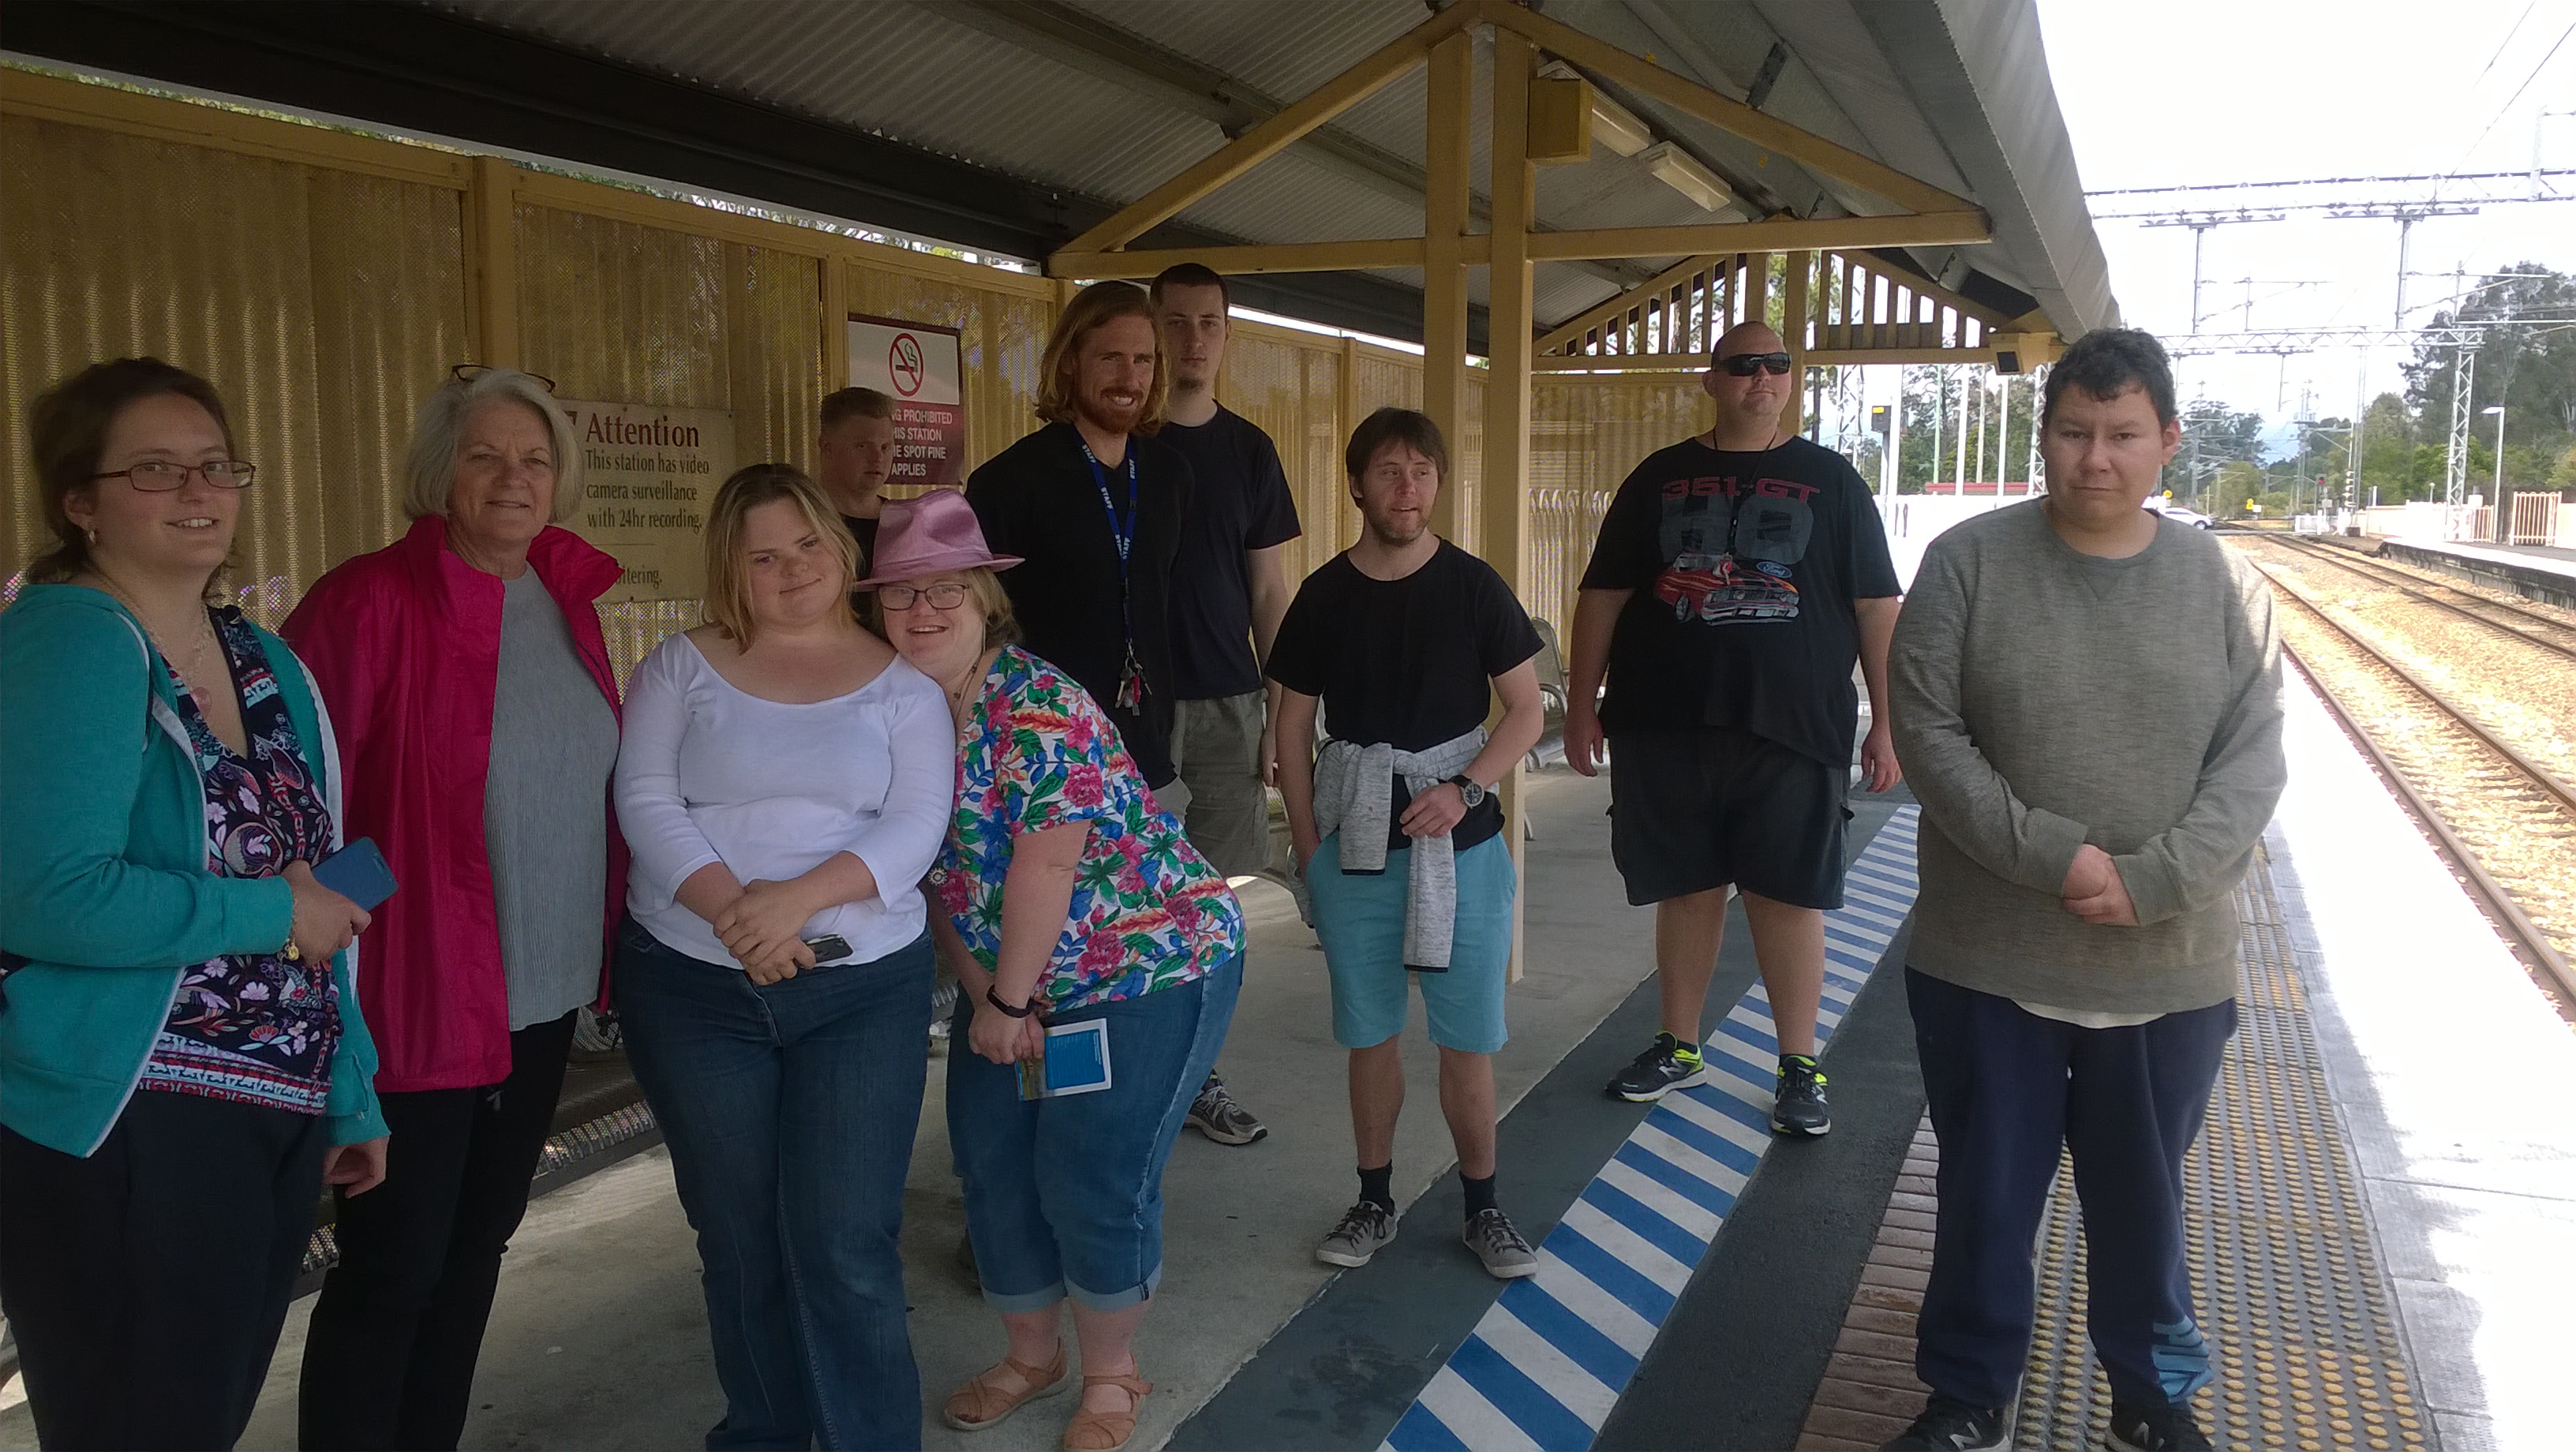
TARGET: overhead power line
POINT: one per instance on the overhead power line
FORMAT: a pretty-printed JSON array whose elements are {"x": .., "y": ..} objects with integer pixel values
[{"x": 2478, "y": 183}]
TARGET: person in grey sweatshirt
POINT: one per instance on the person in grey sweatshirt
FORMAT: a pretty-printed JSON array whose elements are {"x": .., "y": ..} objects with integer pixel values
[{"x": 2088, "y": 705}]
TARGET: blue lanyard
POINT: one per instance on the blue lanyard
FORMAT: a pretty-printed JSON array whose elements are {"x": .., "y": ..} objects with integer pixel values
[{"x": 1121, "y": 529}]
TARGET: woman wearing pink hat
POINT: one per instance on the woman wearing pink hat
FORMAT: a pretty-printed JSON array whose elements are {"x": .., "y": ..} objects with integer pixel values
[{"x": 1070, "y": 898}]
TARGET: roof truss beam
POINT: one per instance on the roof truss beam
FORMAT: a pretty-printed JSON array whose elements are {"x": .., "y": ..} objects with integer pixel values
[{"x": 1929, "y": 216}]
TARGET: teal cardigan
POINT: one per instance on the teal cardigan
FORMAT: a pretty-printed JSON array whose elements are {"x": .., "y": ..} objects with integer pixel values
[{"x": 104, "y": 884}]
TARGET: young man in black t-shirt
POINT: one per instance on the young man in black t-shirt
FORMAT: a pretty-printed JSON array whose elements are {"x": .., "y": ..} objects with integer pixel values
[
  {"x": 1229, "y": 588},
  {"x": 1093, "y": 504},
  {"x": 853, "y": 458},
  {"x": 1406, "y": 639},
  {"x": 1738, "y": 577}
]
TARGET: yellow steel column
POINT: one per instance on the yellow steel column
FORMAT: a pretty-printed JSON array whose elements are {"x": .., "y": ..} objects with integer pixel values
[
  {"x": 1444, "y": 267},
  {"x": 1793, "y": 331},
  {"x": 1507, "y": 384},
  {"x": 492, "y": 260}
]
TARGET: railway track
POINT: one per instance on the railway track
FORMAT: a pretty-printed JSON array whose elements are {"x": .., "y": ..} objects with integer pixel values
[
  {"x": 2507, "y": 822},
  {"x": 2531, "y": 626}
]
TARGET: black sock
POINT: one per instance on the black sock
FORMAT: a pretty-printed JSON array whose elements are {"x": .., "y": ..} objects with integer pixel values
[
  {"x": 1480, "y": 1193},
  {"x": 1377, "y": 1187}
]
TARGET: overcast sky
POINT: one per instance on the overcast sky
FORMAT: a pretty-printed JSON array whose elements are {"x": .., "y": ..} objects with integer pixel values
[{"x": 2203, "y": 91}]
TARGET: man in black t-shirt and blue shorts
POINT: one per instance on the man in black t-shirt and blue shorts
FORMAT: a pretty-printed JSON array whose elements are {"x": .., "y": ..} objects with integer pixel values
[
  {"x": 1406, "y": 639},
  {"x": 1738, "y": 577}
]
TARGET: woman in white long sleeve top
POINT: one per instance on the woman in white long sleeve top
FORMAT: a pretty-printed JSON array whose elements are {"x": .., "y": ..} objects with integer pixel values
[{"x": 784, "y": 780}]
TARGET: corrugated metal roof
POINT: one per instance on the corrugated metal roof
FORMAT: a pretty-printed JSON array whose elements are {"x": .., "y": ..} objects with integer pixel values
[{"x": 968, "y": 79}]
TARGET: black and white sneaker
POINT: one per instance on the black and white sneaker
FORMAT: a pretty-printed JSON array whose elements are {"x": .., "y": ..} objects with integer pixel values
[
  {"x": 2155, "y": 1429},
  {"x": 1951, "y": 1425},
  {"x": 1668, "y": 1064},
  {"x": 1800, "y": 1106}
]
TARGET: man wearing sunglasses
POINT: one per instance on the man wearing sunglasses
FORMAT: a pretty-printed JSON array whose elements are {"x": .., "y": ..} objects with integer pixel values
[{"x": 1739, "y": 577}]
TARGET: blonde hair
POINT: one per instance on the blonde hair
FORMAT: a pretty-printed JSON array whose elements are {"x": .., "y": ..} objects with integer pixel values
[
  {"x": 728, "y": 582},
  {"x": 429, "y": 468},
  {"x": 1091, "y": 307}
]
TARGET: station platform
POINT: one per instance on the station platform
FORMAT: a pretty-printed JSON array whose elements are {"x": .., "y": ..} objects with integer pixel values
[
  {"x": 2541, "y": 572},
  {"x": 2382, "y": 1203}
]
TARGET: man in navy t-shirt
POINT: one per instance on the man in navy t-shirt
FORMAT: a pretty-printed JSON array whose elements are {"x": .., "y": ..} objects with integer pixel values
[{"x": 1229, "y": 588}]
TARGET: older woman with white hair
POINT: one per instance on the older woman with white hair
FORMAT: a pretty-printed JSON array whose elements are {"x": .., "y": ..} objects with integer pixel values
[{"x": 465, "y": 668}]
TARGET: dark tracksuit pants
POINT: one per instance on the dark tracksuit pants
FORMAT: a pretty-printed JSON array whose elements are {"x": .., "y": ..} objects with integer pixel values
[
  {"x": 2007, "y": 1088},
  {"x": 390, "y": 1352}
]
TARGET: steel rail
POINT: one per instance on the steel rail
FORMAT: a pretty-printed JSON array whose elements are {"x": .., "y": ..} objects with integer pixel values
[
  {"x": 2386, "y": 574},
  {"x": 2539, "y": 775},
  {"x": 2490, "y": 894}
]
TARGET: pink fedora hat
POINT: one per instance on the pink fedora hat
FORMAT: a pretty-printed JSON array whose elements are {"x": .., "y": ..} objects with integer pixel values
[{"x": 930, "y": 535}]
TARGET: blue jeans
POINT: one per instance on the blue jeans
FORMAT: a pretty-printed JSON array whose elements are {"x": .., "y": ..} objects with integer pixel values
[
  {"x": 1065, "y": 1196},
  {"x": 789, "y": 1110},
  {"x": 2007, "y": 1088}
]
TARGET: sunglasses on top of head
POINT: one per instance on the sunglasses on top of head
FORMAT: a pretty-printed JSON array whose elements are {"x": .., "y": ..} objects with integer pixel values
[{"x": 1745, "y": 365}]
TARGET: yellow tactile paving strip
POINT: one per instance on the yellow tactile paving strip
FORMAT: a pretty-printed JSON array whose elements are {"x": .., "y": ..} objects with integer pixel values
[{"x": 2289, "y": 1284}]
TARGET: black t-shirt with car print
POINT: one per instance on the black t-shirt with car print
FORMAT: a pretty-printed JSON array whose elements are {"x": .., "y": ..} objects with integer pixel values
[{"x": 1744, "y": 568}]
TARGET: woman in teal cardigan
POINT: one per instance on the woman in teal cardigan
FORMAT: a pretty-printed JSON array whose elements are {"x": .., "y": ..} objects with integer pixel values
[{"x": 182, "y": 1063}]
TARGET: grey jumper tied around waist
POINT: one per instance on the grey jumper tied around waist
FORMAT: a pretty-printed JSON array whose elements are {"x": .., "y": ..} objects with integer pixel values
[{"x": 1355, "y": 795}]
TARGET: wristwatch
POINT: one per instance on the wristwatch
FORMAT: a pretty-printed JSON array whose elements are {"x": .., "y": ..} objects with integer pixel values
[
  {"x": 1468, "y": 792},
  {"x": 993, "y": 996}
]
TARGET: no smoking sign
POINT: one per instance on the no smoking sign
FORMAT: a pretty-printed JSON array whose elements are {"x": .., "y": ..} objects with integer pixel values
[
  {"x": 903, "y": 364},
  {"x": 915, "y": 364}
]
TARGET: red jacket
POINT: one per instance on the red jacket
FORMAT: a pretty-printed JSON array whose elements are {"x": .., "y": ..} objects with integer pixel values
[{"x": 405, "y": 644}]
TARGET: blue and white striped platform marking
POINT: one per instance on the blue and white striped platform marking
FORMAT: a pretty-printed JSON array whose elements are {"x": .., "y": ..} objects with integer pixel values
[{"x": 1542, "y": 1370}]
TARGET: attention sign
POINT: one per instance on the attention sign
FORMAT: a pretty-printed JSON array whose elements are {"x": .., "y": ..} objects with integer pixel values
[
  {"x": 650, "y": 475},
  {"x": 916, "y": 365}
]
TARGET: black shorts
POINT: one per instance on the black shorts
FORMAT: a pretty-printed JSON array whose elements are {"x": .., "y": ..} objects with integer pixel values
[{"x": 1698, "y": 808}]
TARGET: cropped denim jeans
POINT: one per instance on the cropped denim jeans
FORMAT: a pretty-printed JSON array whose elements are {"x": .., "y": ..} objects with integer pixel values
[
  {"x": 789, "y": 1110},
  {"x": 1065, "y": 1196}
]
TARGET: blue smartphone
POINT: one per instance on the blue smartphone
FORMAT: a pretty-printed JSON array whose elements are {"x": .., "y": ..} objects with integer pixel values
[{"x": 358, "y": 873}]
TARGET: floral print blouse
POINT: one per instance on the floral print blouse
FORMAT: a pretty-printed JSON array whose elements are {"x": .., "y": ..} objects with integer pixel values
[
  {"x": 253, "y": 1028},
  {"x": 1148, "y": 911}
]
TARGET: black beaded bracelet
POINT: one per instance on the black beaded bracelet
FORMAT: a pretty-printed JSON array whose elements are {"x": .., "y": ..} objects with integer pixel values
[{"x": 994, "y": 997}]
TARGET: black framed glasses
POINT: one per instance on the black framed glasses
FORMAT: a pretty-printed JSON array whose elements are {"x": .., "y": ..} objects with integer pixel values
[
  {"x": 160, "y": 477},
  {"x": 1745, "y": 365},
  {"x": 946, "y": 595},
  {"x": 468, "y": 372}
]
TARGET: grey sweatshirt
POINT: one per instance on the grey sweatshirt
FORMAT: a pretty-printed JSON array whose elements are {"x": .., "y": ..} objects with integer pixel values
[{"x": 2045, "y": 698}]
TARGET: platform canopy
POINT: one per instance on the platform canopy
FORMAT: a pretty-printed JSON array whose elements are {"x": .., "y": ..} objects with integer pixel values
[{"x": 1019, "y": 126}]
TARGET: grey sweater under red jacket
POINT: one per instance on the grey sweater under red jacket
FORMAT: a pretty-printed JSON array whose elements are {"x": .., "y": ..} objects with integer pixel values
[{"x": 2045, "y": 698}]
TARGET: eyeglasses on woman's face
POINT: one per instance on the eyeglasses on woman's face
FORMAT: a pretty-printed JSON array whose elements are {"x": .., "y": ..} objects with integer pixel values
[
  {"x": 946, "y": 595},
  {"x": 161, "y": 476}
]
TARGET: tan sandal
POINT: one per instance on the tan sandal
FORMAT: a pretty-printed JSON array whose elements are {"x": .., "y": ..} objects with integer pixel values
[
  {"x": 1091, "y": 1431},
  {"x": 982, "y": 1403}
]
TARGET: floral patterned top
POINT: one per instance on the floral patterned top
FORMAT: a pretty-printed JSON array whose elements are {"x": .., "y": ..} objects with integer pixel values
[
  {"x": 1148, "y": 911},
  {"x": 253, "y": 1028}
]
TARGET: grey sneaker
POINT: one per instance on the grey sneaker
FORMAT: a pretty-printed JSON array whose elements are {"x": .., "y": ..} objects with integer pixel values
[
  {"x": 1490, "y": 1235},
  {"x": 1366, "y": 1229},
  {"x": 1215, "y": 1114}
]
